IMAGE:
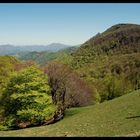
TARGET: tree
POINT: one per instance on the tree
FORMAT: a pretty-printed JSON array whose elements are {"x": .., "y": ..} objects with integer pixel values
[
  {"x": 6, "y": 68},
  {"x": 67, "y": 88},
  {"x": 27, "y": 100}
]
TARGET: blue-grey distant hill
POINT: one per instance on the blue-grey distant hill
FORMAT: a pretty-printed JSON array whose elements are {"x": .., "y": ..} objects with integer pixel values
[{"x": 13, "y": 50}]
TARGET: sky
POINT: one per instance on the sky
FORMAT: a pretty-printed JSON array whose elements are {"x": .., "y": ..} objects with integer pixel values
[{"x": 67, "y": 23}]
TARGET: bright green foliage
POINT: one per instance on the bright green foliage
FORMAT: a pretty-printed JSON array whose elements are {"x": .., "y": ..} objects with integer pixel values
[
  {"x": 27, "y": 98},
  {"x": 6, "y": 68},
  {"x": 97, "y": 96}
]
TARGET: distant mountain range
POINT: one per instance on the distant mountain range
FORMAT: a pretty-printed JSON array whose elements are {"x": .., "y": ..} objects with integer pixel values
[
  {"x": 44, "y": 57},
  {"x": 13, "y": 50}
]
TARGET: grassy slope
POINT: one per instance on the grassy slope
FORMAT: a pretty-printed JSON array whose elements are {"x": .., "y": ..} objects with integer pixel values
[{"x": 106, "y": 119}]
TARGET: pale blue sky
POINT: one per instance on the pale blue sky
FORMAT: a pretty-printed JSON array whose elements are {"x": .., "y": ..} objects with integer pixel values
[{"x": 72, "y": 24}]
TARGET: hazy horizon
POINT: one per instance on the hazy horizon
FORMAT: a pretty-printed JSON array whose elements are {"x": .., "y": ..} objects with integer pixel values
[
  {"x": 70, "y": 24},
  {"x": 36, "y": 44}
]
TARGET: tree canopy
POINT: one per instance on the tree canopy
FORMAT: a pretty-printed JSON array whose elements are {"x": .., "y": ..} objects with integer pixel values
[{"x": 27, "y": 100}]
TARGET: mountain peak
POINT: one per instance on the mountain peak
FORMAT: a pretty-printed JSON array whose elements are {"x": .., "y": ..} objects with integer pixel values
[
  {"x": 121, "y": 26},
  {"x": 120, "y": 38}
]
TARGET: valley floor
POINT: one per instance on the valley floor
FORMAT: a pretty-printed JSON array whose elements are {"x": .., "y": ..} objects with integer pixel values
[{"x": 118, "y": 117}]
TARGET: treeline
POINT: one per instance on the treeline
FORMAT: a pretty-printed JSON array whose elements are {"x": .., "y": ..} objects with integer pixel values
[{"x": 31, "y": 95}]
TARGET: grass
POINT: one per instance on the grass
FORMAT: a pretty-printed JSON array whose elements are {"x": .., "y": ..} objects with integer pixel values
[{"x": 118, "y": 117}]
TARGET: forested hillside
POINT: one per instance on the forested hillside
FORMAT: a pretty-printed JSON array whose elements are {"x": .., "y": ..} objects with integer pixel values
[{"x": 110, "y": 61}]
